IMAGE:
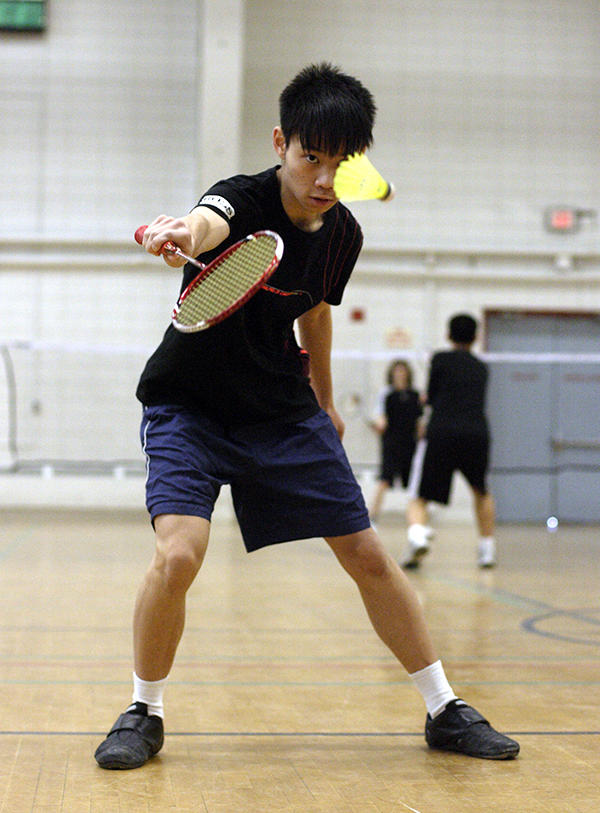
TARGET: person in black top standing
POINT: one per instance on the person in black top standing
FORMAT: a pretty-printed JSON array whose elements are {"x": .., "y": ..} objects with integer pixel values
[
  {"x": 234, "y": 405},
  {"x": 398, "y": 411},
  {"x": 458, "y": 439}
]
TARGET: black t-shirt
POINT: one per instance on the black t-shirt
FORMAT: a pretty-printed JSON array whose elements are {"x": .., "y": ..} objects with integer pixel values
[
  {"x": 456, "y": 393},
  {"x": 402, "y": 409},
  {"x": 248, "y": 368}
]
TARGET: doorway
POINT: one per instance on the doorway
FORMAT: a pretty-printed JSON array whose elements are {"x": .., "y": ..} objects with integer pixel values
[{"x": 544, "y": 411}]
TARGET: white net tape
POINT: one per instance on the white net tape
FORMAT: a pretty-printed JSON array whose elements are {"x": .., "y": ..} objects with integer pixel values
[{"x": 72, "y": 406}]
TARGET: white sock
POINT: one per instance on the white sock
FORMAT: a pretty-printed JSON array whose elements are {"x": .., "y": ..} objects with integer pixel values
[
  {"x": 418, "y": 534},
  {"x": 434, "y": 687},
  {"x": 151, "y": 693}
]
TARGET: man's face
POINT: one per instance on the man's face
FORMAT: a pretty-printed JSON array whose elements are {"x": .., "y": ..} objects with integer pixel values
[{"x": 306, "y": 178}]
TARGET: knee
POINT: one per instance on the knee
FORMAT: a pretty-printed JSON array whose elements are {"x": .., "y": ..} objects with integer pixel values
[
  {"x": 178, "y": 559},
  {"x": 367, "y": 561},
  {"x": 177, "y": 566}
]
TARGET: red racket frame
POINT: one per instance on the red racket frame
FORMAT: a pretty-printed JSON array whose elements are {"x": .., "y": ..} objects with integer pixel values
[{"x": 207, "y": 270}]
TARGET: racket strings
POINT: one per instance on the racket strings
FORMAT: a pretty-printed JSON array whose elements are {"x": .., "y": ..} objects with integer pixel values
[{"x": 228, "y": 282}]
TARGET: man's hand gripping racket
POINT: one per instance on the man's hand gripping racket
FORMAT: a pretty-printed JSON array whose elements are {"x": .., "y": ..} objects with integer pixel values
[{"x": 225, "y": 284}]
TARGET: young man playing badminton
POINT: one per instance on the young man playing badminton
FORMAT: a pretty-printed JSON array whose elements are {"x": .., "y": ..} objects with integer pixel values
[{"x": 233, "y": 404}]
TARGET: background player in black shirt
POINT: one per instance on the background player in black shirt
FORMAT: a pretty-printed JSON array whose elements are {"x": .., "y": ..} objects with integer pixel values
[
  {"x": 398, "y": 411},
  {"x": 233, "y": 405},
  {"x": 458, "y": 439}
]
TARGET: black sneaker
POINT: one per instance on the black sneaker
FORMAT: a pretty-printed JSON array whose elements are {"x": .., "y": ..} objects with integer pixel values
[
  {"x": 461, "y": 728},
  {"x": 133, "y": 739}
]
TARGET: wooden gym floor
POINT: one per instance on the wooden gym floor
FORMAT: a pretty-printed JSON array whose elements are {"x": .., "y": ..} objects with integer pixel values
[{"x": 282, "y": 698}]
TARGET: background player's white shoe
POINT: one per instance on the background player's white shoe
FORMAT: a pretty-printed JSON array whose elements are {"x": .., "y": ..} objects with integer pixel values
[
  {"x": 486, "y": 552},
  {"x": 418, "y": 546},
  {"x": 413, "y": 554}
]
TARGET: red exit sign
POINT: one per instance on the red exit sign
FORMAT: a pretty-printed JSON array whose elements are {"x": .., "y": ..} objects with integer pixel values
[{"x": 562, "y": 219}]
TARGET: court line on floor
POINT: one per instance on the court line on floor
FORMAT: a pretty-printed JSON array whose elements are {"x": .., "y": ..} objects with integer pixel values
[
  {"x": 251, "y": 660},
  {"x": 351, "y": 684},
  {"x": 581, "y": 615},
  {"x": 498, "y": 594},
  {"x": 524, "y": 602},
  {"x": 292, "y": 734}
]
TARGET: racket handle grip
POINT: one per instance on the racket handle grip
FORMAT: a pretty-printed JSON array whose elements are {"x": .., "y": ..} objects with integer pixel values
[
  {"x": 139, "y": 234},
  {"x": 168, "y": 246}
]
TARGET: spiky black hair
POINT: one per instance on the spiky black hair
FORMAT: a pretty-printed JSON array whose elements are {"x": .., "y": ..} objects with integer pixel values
[{"x": 328, "y": 110}]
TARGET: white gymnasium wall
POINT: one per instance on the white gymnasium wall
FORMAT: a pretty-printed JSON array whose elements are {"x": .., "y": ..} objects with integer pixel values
[
  {"x": 98, "y": 118},
  {"x": 487, "y": 110},
  {"x": 487, "y": 113}
]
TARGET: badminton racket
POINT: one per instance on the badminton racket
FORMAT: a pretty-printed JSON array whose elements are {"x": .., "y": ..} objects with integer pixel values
[
  {"x": 226, "y": 283},
  {"x": 357, "y": 179}
]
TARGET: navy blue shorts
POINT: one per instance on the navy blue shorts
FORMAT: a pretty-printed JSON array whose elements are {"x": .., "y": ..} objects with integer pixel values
[{"x": 288, "y": 481}]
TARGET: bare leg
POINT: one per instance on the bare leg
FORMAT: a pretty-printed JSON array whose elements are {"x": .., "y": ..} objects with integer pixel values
[
  {"x": 382, "y": 487},
  {"x": 485, "y": 513},
  {"x": 159, "y": 615},
  {"x": 388, "y": 596},
  {"x": 416, "y": 513}
]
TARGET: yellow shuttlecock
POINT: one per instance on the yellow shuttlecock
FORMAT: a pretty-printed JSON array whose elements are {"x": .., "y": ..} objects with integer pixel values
[{"x": 357, "y": 179}]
